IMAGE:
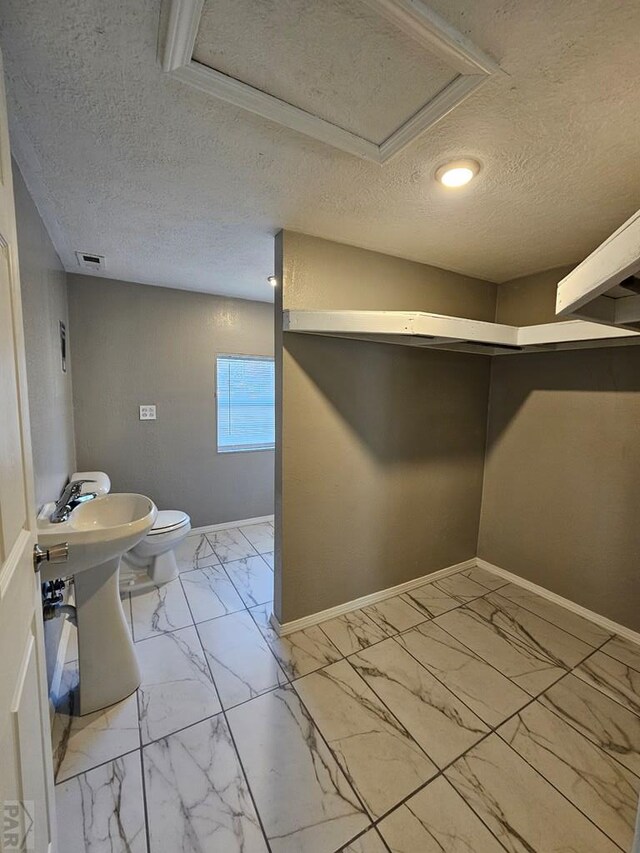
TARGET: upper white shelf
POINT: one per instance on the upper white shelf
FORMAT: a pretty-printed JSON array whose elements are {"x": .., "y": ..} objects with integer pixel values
[{"x": 423, "y": 329}]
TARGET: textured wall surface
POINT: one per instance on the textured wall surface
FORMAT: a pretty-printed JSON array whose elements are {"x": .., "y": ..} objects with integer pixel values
[
  {"x": 561, "y": 499},
  {"x": 115, "y": 141},
  {"x": 44, "y": 305},
  {"x": 135, "y": 345},
  {"x": 379, "y": 468}
]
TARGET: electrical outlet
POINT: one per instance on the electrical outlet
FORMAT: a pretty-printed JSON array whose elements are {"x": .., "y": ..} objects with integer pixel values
[{"x": 147, "y": 413}]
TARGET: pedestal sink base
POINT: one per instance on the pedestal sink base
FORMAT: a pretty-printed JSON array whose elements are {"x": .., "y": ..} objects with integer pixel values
[{"x": 108, "y": 665}]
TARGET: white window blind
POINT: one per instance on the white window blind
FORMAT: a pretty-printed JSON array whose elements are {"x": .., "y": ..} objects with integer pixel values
[{"x": 246, "y": 403}]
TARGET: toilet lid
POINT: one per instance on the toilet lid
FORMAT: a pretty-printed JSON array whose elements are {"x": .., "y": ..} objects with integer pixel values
[{"x": 167, "y": 520}]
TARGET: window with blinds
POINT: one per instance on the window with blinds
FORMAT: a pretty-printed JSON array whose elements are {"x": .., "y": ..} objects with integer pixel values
[{"x": 245, "y": 393}]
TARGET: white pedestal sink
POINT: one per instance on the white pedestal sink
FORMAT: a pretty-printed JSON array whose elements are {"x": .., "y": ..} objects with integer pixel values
[{"x": 99, "y": 532}]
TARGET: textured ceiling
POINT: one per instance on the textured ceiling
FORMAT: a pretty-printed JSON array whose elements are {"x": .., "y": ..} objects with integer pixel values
[{"x": 179, "y": 189}]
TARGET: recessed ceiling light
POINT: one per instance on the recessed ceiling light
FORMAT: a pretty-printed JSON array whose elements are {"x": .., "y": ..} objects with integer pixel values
[
  {"x": 458, "y": 173},
  {"x": 273, "y": 281}
]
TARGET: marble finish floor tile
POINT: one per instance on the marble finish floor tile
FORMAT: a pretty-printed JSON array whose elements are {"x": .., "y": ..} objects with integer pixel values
[
  {"x": 102, "y": 811},
  {"x": 430, "y": 600},
  {"x": 196, "y": 793},
  {"x": 379, "y": 759},
  {"x": 240, "y": 659},
  {"x": 194, "y": 553},
  {"x": 437, "y": 720},
  {"x": 302, "y": 795},
  {"x": 461, "y": 587},
  {"x": 253, "y": 580},
  {"x": 268, "y": 558},
  {"x": 570, "y": 622},
  {"x": 394, "y": 615},
  {"x": 353, "y": 631},
  {"x": 562, "y": 648},
  {"x": 370, "y": 842},
  {"x": 485, "y": 690},
  {"x": 229, "y": 545},
  {"x": 521, "y": 808},
  {"x": 524, "y": 664},
  {"x": 597, "y": 784},
  {"x": 260, "y": 536},
  {"x": 599, "y": 718},
  {"x": 81, "y": 743},
  {"x": 210, "y": 593},
  {"x": 484, "y": 578},
  {"x": 612, "y": 677},
  {"x": 623, "y": 650},
  {"x": 159, "y": 610},
  {"x": 299, "y": 653},
  {"x": 437, "y": 820},
  {"x": 176, "y": 689}
]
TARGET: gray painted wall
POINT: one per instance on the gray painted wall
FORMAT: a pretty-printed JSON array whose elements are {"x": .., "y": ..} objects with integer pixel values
[
  {"x": 380, "y": 459},
  {"x": 561, "y": 500},
  {"x": 135, "y": 344},
  {"x": 44, "y": 305}
]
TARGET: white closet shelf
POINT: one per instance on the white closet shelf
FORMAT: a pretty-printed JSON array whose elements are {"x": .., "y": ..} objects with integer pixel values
[{"x": 439, "y": 331}]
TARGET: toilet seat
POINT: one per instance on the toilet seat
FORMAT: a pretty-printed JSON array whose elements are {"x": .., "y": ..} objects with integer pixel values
[{"x": 167, "y": 521}]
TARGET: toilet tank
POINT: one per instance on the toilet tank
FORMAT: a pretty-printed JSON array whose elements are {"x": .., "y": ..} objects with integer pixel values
[{"x": 102, "y": 483}]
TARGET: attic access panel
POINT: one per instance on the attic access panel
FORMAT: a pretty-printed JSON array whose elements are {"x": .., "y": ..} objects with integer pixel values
[{"x": 365, "y": 76}]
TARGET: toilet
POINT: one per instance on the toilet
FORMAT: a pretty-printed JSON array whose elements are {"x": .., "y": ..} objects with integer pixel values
[{"x": 152, "y": 562}]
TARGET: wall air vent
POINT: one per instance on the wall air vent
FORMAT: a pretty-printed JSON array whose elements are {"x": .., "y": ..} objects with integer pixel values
[{"x": 91, "y": 261}]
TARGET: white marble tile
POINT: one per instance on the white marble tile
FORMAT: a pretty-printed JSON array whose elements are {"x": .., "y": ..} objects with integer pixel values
[
  {"x": 570, "y": 622},
  {"x": 623, "y": 650},
  {"x": 230, "y": 544},
  {"x": 612, "y": 677},
  {"x": 81, "y": 743},
  {"x": 530, "y": 668},
  {"x": 461, "y": 587},
  {"x": 298, "y": 653},
  {"x": 304, "y": 799},
  {"x": 194, "y": 552},
  {"x": 593, "y": 781},
  {"x": 437, "y": 820},
  {"x": 430, "y": 600},
  {"x": 176, "y": 689},
  {"x": 442, "y": 725},
  {"x": 394, "y": 615},
  {"x": 562, "y": 648},
  {"x": 380, "y": 760},
  {"x": 352, "y": 631},
  {"x": 486, "y": 691},
  {"x": 260, "y": 536},
  {"x": 159, "y": 610},
  {"x": 102, "y": 811},
  {"x": 521, "y": 808},
  {"x": 240, "y": 659},
  {"x": 370, "y": 842},
  {"x": 268, "y": 558},
  {"x": 484, "y": 577},
  {"x": 210, "y": 593},
  {"x": 197, "y": 796},
  {"x": 253, "y": 580}
]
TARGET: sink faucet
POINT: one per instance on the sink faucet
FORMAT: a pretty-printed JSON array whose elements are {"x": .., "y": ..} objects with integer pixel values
[{"x": 69, "y": 500}]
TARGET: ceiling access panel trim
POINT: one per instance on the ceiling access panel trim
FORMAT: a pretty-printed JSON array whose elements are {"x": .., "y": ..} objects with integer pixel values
[{"x": 413, "y": 17}]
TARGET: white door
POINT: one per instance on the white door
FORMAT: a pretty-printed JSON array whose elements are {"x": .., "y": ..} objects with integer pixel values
[{"x": 26, "y": 776}]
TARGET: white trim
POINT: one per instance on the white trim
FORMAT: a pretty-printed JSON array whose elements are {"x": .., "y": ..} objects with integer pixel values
[
  {"x": 412, "y": 17},
  {"x": 613, "y": 261},
  {"x": 365, "y": 600},
  {"x": 592, "y": 616},
  {"x": 243, "y": 522}
]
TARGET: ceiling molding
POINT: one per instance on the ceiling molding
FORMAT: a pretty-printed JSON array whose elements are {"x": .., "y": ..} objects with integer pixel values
[{"x": 413, "y": 17}]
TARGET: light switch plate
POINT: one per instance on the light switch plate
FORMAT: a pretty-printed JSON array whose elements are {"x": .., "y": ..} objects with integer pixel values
[{"x": 147, "y": 413}]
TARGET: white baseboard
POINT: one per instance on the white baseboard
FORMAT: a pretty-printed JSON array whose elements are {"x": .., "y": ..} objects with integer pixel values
[
  {"x": 592, "y": 616},
  {"x": 210, "y": 528},
  {"x": 365, "y": 600}
]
